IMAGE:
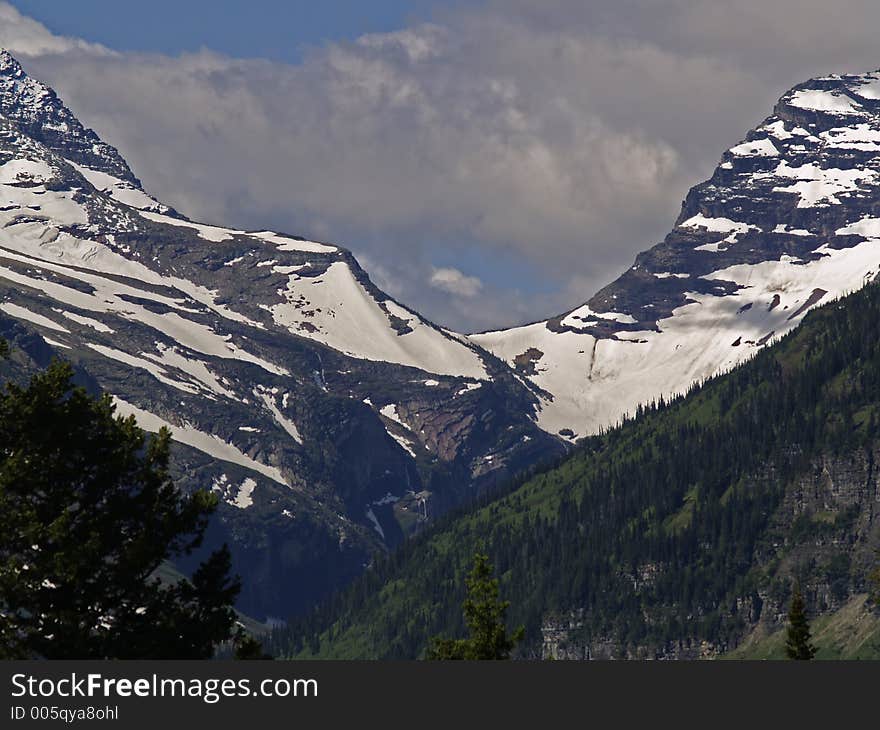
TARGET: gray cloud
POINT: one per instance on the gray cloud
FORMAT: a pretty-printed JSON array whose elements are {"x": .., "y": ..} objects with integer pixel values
[{"x": 556, "y": 138}]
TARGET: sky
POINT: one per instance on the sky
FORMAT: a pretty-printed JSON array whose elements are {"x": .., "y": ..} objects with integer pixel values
[
  {"x": 272, "y": 29},
  {"x": 489, "y": 162}
]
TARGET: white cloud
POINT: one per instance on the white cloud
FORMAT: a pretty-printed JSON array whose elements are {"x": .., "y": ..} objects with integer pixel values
[
  {"x": 560, "y": 135},
  {"x": 22, "y": 35},
  {"x": 455, "y": 282}
]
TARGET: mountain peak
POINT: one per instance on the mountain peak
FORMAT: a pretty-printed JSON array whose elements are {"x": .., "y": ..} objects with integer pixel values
[
  {"x": 9, "y": 65},
  {"x": 38, "y": 113},
  {"x": 264, "y": 354},
  {"x": 788, "y": 220}
]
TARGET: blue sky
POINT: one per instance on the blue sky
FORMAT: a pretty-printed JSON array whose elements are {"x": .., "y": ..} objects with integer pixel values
[{"x": 271, "y": 29}]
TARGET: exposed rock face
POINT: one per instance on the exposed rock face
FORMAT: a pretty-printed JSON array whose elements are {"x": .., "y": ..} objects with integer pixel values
[
  {"x": 789, "y": 219},
  {"x": 40, "y": 114},
  {"x": 826, "y": 533},
  {"x": 330, "y": 419}
]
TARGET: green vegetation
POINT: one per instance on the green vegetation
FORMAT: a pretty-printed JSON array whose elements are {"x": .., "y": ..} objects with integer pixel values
[
  {"x": 247, "y": 647},
  {"x": 851, "y": 632},
  {"x": 657, "y": 530},
  {"x": 484, "y": 615},
  {"x": 798, "y": 641},
  {"x": 89, "y": 515}
]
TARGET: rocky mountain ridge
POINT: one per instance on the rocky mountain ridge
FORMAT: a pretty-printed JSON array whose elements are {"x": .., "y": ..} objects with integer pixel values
[
  {"x": 330, "y": 419},
  {"x": 789, "y": 219},
  {"x": 827, "y": 527}
]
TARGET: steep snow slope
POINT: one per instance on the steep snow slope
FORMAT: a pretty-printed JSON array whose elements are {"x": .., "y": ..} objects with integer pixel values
[
  {"x": 790, "y": 219},
  {"x": 332, "y": 420},
  {"x": 272, "y": 358}
]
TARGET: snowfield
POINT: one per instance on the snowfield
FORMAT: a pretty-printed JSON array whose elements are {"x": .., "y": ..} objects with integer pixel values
[
  {"x": 786, "y": 223},
  {"x": 205, "y": 442},
  {"x": 802, "y": 191},
  {"x": 595, "y": 382},
  {"x": 335, "y": 309}
]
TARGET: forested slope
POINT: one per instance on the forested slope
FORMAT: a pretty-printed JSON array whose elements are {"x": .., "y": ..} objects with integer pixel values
[{"x": 674, "y": 534}]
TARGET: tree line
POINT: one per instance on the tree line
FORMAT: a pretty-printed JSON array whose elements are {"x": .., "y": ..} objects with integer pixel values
[
  {"x": 649, "y": 533},
  {"x": 89, "y": 513}
]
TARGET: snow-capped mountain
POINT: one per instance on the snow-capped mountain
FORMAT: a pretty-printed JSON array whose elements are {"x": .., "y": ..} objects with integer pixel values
[
  {"x": 789, "y": 219},
  {"x": 331, "y": 419},
  {"x": 328, "y": 417}
]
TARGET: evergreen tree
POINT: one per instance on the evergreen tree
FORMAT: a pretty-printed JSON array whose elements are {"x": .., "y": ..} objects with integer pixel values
[
  {"x": 798, "y": 644},
  {"x": 657, "y": 519},
  {"x": 247, "y": 647},
  {"x": 484, "y": 615},
  {"x": 89, "y": 514},
  {"x": 874, "y": 590}
]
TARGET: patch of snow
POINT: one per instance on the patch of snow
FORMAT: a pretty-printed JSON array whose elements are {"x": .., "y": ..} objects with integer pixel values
[
  {"x": 244, "y": 497},
  {"x": 18, "y": 170},
  {"x": 405, "y": 444},
  {"x": 87, "y": 321},
  {"x": 55, "y": 343},
  {"x": 120, "y": 190},
  {"x": 756, "y": 148},
  {"x": 594, "y": 382},
  {"x": 209, "y": 444},
  {"x": 862, "y": 137},
  {"x": 824, "y": 101},
  {"x": 390, "y": 412},
  {"x": 336, "y": 310},
  {"x": 868, "y": 227},
  {"x": 782, "y": 228},
  {"x": 719, "y": 225},
  {"x": 215, "y": 234},
  {"x": 147, "y": 365},
  {"x": 19, "y": 312},
  {"x": 86, "y": 260},
  {"x": 820, "y": 185},
  {"x": 109, "y": 296},
  {"x": 395, "y": 310},
  {"x": 289, "y": 269},
  {"x": 268, "y": 398},
  {"x": 582, "y": 315},
  {"x": 468, "y": 387},
  {"x": 778, "y": 130},
  {"x": 287, "y": 243},
  {"x": 195, "y": 368},
  {"x": 869, "y": 90}
]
